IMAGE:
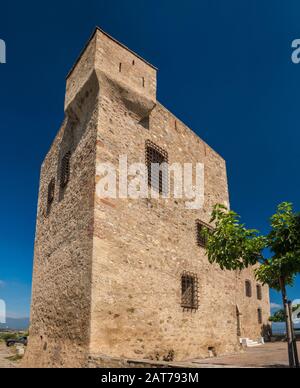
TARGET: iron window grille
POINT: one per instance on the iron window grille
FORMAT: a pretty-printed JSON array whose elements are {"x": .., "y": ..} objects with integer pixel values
[
  {"x": 65, "y": 170},
  {"x": 157, "y": 167},
  {"x": 189, "y": 291},
  {"x": 248, "y": 288},
  {"x": 201, "y": 238},
  {"x": 259, "y": 292}
]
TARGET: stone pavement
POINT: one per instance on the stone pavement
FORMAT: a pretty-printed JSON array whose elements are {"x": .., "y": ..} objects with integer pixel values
[{"x": 270, "y": 355}]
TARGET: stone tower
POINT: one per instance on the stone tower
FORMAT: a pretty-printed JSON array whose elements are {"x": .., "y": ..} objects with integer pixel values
[{"x": 121, "y": 277}]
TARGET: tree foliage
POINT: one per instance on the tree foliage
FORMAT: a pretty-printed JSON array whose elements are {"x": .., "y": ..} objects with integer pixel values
[
  {"x": 284, "y": 244},
  {"x": 279, "y": 316},
  {"x": 230, "y": 244},
  {"x": 234, "y": 247}
]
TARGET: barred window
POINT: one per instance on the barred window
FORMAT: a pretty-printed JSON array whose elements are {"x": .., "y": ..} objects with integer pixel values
[
  {"x": 200, "y": 227},
  {"x": 248, "y": 288},
  {"x": 51, "y": 191},
  {"x": 156, "y": 162},
  {"x": 259, "y": 316},
  {"x": 259, "y": 292},
  {"x": 189, "y": 291},
  {"x": 65, "y": 170}
]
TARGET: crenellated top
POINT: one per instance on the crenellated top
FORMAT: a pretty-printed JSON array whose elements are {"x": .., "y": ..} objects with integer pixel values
[{"x": 104, "y": 53}]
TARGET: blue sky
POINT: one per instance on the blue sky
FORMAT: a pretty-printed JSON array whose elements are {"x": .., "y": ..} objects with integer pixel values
[{"x": 224, "y": 69}]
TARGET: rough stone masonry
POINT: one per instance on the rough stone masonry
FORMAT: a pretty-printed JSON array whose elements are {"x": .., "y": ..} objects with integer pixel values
[{"x": 126, "y": 278}]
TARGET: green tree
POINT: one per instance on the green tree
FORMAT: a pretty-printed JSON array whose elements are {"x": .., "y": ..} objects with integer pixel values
[{"x": 234, "y": 247}]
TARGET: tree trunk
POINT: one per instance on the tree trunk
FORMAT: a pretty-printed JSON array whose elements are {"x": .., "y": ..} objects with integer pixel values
[
  {"x": 287, "y": 322},
  {"x": 294, "y": 339}
]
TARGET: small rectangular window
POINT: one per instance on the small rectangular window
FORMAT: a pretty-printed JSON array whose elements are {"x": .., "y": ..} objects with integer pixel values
[
  {"x": 201, "y": 238},
  {"x": 65, "y": 170},
  {"x": 259, "y": 292},
  {"x": 156, "y": 162},
  {"x": 259, "y": 316},
  {"x": 50, "y": 194},
  {"x": 248, "y": 288},
  {"x": 189, "y": 291}
]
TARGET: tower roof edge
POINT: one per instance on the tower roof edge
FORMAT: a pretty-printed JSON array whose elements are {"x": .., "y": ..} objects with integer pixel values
[{"x": 98, "y": 29}]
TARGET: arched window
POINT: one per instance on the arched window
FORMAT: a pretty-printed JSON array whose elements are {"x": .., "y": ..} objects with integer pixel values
[
  {"x": 248, "y": 288},
  {"x": 259, "y": 292},
  {"x": 65, "y": 170},
  {"x": 259, "y": 316}
]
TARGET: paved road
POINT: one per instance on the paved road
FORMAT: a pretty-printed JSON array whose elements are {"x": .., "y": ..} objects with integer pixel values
[{"x": 6, "y": 352}]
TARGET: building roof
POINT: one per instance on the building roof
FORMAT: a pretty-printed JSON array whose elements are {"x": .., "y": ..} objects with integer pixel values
[{"x": 113, "y": 39}]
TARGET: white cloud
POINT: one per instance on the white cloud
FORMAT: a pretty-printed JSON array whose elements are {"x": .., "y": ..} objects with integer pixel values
[
  {"x": 275, "y": 306},
  {"x": 296, "y": 302}
]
